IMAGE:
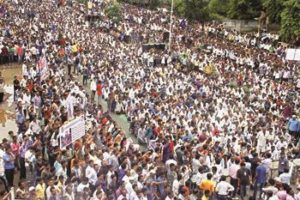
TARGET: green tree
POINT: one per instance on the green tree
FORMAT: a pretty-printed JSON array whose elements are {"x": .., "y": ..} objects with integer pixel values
[
  {"x": 152, "y": 4},
  {"x": 244, "y": 9},
  {"x": 179, "y": 7},
  {"x": 113, "y": 12},
  {"x": 218, "y": 8},
  {"x": 273, "y": 9},
  {"x": 290, "y": 20},
  {"x": 83, "y": 1},
  {"x": 196, "y": 10}
]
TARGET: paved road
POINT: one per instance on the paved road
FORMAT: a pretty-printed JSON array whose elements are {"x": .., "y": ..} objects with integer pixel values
[
  {"x": 120, "y": 119},
  {"x": 8, "y": 73}
]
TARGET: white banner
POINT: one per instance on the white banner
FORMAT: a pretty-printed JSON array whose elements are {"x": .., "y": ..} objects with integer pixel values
[
  {"x": 293, "y": 54},
  {"x": 71, "y": 132}
]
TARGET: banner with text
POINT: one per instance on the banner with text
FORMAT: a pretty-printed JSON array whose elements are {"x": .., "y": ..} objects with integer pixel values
[{"x": 71, "y": 131}]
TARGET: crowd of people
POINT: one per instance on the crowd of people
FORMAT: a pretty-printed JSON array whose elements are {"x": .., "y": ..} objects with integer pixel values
[{"x": 212, "y": 114}]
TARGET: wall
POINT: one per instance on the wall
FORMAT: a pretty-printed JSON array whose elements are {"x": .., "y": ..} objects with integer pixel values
[{"x": 241, "y": 25}]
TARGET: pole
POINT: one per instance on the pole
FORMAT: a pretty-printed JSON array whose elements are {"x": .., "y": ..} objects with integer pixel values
[{"x": 171, "y": 24}]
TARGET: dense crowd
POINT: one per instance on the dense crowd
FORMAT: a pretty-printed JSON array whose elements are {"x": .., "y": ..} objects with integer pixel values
[{"x": 213, "y": 114}]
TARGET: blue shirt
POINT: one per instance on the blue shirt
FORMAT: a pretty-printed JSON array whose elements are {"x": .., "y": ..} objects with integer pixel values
[
  {"x": 294, "y": 125},
  {"x": 8, "y": 163},
  {"x": 261, "y": 174}
]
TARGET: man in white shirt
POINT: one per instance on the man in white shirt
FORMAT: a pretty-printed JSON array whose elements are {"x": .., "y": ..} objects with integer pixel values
[
  {"x": 2, "y": 175},
  {"x": 232, "y": 173},
  {"x": 196, "y": 163},
  {"x": 91, "y": 173},
  {"x": 176, "y": 184},
  {"x": 93, "y": 88},
  {"x": 48, "y": 190},
  {"x": 261, "y": 141},
  {"x": 285, "y": 177},
  {"x": 84, "y": 184},
  {"x": 223, "y": 188},
  {"x": 198, "y": 177}
]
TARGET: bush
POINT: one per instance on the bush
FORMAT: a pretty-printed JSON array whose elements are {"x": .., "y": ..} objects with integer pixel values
[
  {"x": 113, "y": 12},
  {"x": 83, "y": 1}
]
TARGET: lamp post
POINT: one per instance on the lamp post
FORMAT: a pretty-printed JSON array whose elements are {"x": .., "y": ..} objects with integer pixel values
[{"x": 171, "y": 24}]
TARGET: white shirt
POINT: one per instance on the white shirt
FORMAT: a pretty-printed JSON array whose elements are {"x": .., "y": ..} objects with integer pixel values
[
  {"x": 93, "y": 85},
  {"x": 197, "y": 178},
  {"x": 195, "y": 164},
  {"x": 81, "y": 187},
  {"x": 1, "y": 163},
  {"x": 48, "y": 191},
  {"x": 175, "y": 187},
  {"x": 91, "y": 174},
  {"x": 285, "y": 178},
  {"x": 223, "y": 188}
]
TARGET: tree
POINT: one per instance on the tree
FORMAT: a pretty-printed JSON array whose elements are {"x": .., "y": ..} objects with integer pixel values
[
  {"x": 179, "y": 7},
  {"x": 83, "y": 1},
  {"x": 196, "y": 10},
  {"x": 244, "y": 9},
  {"x": 273, "y": 9},
  {"x": 113, "y": 12},
  {"x": 290, "y": 20},
  {"x": 218, "y": 8},
  {"x": 152, "y": 4}
]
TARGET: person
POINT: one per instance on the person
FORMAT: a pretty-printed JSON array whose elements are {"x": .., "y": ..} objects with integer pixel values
[
  {"x": 285, "y": 177},
  {"x": 207, "y": 184},
  {"x": 21, "y": 192},
  {"x": 223, "y": 189},
  {"x": 259, "y": 180},
  {"x": 171, "y": 103},
  {"x": 99, "y": 91},
  {"x": 283, "y": 163},
  {"x": 93, "y": 88},
  {"x": 54, "y": 195},
  {"x": 271, "y": 187},
  {"x": 294, "y": 126},
  {"x": 20, "y": 120},
  {"x": 40, "y": 189},
  {"x": 244, "y": 179},
  {"x": 233, "y": 169},
  {"x": 9, "y": 165},
  {"x": 16, "y": 84},
  {"x": 206, "y": 195},
  {"x": 2, "y": 169},
  {"x": 26, "y": 144}
]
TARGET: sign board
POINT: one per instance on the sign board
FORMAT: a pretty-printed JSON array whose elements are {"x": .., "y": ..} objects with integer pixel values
[
  {"x": 293, "y": 54},
  {"x": 43, "y": 68},
  {"x": 71, "y": 132}
]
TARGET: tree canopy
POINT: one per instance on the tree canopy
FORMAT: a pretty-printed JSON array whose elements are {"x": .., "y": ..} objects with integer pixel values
[
  {"x": 283, "y": 12},
  {"x": 244, "y": 9},
  {"x": 290, "y": 20}
]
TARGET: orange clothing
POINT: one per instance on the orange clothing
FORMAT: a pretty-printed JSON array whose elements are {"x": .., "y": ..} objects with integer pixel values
[
  {"x": 61, "y": 52},
  {"x": 99, "y": 89},
  {"x": 118, "y": 139},
  {"x": 207, "y": 185}
]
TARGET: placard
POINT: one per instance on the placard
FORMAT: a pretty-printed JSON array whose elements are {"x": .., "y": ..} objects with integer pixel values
[
  {"x": 293, "y": 54},
  {"x": 71, "y": 132}
]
